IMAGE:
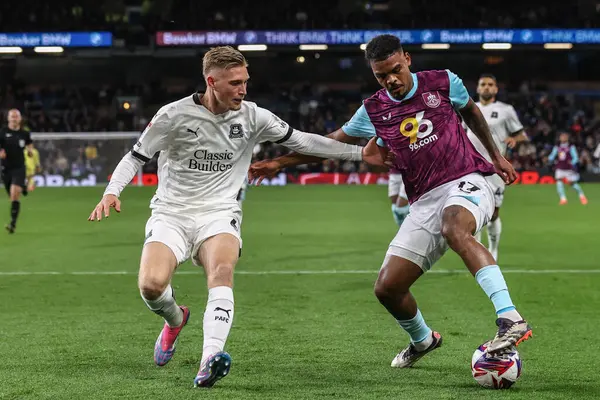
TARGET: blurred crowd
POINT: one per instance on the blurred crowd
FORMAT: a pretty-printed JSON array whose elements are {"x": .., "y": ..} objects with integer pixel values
[
  {"x": 63, "y": 108},
  {"x": 147, "y": 16},
  {"x": 545, "y": 116},
  {"x": 309, "y": 108}
]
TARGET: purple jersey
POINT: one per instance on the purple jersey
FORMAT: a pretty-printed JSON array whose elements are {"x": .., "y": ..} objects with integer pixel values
[
  {"x": 565, "y": 155},
  {"x": 426, "y": 135}
]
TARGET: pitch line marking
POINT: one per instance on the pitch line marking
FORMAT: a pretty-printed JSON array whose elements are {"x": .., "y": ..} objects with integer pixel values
[{"x": 303, "y": 272}]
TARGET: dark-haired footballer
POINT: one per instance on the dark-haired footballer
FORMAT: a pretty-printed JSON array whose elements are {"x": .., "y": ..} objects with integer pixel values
[{"x": 417, "y": 118}]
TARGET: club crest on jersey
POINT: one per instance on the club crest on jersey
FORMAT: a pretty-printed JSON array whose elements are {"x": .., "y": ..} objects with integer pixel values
[
  {"x": 236, "y": 131},
  {"x": 432, "y": 99},
  {"x": 494, "y": 114}
]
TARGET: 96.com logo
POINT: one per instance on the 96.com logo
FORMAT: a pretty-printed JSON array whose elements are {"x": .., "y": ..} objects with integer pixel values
[{"x": 418, "y": 130}]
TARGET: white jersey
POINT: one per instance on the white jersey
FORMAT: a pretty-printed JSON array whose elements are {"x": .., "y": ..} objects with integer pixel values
[
  {"x": 503, "y": 122},
  {"x": 204, "y": 158}
]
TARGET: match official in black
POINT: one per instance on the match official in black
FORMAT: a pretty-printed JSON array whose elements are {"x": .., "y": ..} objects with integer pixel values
[{"x": 13, "y": 141}]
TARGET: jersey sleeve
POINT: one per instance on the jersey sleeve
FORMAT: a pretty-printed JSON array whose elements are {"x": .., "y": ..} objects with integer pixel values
[
  {"x": 155, "y": 137},
  {"x": 360, "y": 125},
  {"x": 270, "y": 128},
  {"x": 513, "y": 125},
  {"x": 574, "y": 155},
  {"x": 553, "y": 154},
  {"x": 459, "y": 96},
  {"x": 316, "y": 145}
]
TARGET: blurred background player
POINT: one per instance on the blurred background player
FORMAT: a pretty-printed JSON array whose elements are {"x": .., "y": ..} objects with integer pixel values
[
  {"x": 566, "y": 158},
  {"x": 506, "y": 131},
  {"x": 14, "y": 144},
  {"x": 398, "y": 197},
  {"x": 32, "y": 166}
]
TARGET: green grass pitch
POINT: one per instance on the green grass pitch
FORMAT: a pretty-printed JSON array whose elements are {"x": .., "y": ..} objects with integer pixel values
[{"x": 307, "y": 325}]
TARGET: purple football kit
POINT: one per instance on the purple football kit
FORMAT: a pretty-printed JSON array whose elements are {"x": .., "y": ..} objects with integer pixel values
[{"x": 440, "y": 166}]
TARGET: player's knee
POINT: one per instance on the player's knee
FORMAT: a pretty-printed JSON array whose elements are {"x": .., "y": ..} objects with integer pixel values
[
  {"x": 382, "y": 291},
  {"x": 386, "y": 289},
  {"x": 15, "y": 193},
  {"x": 220, "y": 274},
  {"x": 151, "y": 289}
]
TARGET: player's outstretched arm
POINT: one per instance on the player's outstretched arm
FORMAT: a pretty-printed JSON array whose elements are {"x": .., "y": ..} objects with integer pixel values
[
  {"x": 123, "y": 174},
  {"x": 313, "y": 147},
  {"x": 317, "y": 145},
  {"x": 270, "y": 168},
  {"x": 295, "y": 158},
  {"x": 477, "y": 123},
  {"x": 320, "y": 146}
]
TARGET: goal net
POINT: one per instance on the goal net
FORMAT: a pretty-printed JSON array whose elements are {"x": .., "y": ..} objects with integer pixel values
[{"x": 83, "y": 158}]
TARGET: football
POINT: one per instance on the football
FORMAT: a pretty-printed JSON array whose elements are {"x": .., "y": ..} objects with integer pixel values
[{"x": 496, "y": 372}]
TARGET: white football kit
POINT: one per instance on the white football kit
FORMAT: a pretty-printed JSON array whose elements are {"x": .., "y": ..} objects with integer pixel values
[
  {"x": 203, "y": 162},
  {"x": 420, "y": 238},
  {"x": 396, "y": 186},
  {"x": 503, "y": 122}
]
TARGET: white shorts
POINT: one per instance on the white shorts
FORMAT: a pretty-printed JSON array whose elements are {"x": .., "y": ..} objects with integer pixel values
[
  {"x": 420, "y": 239},
  {"x": 396, "y": 186},
  {"x": 568, "y": 174},
  {"x": 185, "y": 233},
  {"x": 498, "y": 186}
]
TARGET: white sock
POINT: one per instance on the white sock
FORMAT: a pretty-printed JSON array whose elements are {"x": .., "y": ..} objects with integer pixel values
[
  {"x": 218, "y": 318},
  {"x": 513, "y": 315},
  {"x": 166, "y": 307},
  {"x": 478, "y": 235},
  {"x": 424, "y": 344},
  {"x": 494, "y": 231}
]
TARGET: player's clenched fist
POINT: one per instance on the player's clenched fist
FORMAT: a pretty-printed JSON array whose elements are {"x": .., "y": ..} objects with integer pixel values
[{"x": 108, "y": 201}]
